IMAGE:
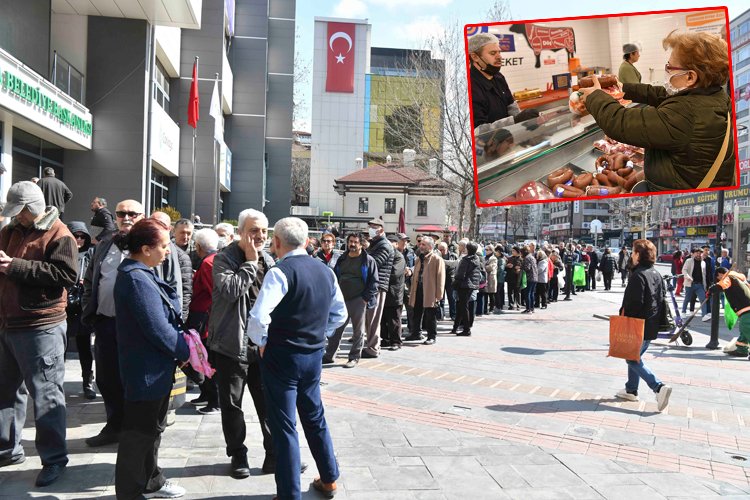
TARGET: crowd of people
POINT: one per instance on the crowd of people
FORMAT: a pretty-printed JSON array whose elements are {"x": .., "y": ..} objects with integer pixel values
[{"x": 254, "y": 302}]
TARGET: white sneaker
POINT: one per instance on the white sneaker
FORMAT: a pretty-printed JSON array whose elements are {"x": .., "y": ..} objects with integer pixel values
[
  {"x": 169, "y": 490},
  {"x": 707, "y": 317},
  {"x": 662, "y": 397},
  {"x": 623, "y": 394}
]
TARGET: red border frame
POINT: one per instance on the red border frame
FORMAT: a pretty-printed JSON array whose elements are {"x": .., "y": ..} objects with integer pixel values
[{"x": 599, "y": 16}]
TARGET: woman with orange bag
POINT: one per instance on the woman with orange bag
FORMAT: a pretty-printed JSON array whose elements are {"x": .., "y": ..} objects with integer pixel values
[{"x": 643, "y": 298}]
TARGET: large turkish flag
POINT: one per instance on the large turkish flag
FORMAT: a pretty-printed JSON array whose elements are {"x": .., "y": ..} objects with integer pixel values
[{"x": 340, "y": 50}]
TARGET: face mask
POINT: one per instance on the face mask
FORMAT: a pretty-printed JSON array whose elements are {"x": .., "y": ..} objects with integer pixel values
[
  {"x": 671, "y": 89},
  {"x": 490, "y": 69},
  {"x": 372, "y": 231}
]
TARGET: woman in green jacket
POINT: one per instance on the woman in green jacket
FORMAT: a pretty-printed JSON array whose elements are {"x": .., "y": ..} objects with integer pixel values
[
  {"x": 686, "y": 127},
  {"x": 628, "y": 73}
]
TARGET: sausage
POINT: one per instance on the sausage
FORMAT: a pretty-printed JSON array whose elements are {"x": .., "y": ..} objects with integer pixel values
[
  {"x": 625, "y": 172},
  {"x": 630, "y": 182},
  {"x": 619, "y": 161},
  {"x": 603, "y": 161},
  {"x": 583, "y": 180},
  {"x": 602, "y": 190},
  {"x": 604, "y": 80},
  {"x": 565, "y": 191},
  {"x": 615, "y": 179},
  {"x": 594, "y": 181},
  {"x": 603, "y": 180},
  {"x": 559, "y": 176}
]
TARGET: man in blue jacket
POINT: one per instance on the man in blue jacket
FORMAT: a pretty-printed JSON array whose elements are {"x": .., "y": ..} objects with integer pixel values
[
  {"x": 357, "y": 274},
  {"x": 299, "y": 304}
]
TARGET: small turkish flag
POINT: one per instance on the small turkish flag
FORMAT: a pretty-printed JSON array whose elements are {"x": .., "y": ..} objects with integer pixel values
[
  {"x": 340, "y": 49},
  {"x": 194, "y": 100}
]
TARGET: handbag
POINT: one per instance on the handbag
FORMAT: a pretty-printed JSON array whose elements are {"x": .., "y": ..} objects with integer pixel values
[{"x": 626, "y": 337}]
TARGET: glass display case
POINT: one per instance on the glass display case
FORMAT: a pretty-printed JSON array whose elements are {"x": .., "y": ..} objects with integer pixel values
[{"x": 509, "y": 157}]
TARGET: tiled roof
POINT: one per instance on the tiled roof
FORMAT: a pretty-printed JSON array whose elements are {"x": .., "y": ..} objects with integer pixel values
[{"x": 390, "y": 174}]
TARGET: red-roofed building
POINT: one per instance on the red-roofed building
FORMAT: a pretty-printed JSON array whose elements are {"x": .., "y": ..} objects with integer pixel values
[{"x": 382, "y": 190}]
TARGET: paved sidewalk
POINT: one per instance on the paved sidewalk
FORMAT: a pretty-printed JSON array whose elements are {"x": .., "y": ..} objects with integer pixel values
[{"x": 521, "y": 409}]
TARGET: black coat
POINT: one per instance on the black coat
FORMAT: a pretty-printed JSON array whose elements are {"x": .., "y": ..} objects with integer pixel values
[
  {"x": 382, "y": 251},
  {"x": 468, "y": 274},
  {"x": 56, "y": 193},
  {"x": 489, "y": 98},
  {"x": 644, "y": 295},
  {"x": 103, "y": 218},
  {"x": 608, "y": 264},
  {"x": 394, "y": 297}
]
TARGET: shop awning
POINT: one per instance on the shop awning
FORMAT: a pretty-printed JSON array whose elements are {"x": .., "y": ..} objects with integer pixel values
[{"x": 429, "y": 229}]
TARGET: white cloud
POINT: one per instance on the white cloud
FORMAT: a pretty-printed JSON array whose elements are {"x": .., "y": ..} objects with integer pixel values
[
  {"x": 350, "y": 9},
  {"x": 411, "y": 4},
  {"x": 421, "y": 29}
]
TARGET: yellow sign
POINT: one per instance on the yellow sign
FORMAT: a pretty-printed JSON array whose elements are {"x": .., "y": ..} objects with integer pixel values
[{"x": 694, "y": 199}]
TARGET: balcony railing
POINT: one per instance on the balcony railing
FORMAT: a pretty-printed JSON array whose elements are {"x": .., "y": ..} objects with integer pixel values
[{"x": 67, "y": 78}]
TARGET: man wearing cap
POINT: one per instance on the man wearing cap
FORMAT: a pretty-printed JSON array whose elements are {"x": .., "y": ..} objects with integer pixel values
[
  {"x": 56, "y": 193},
  {"x": 491, "y": 98},
  {"x": 627, "y": 72},
  {"x": 38, "y": 261},
  {"x": 382, "y": 251}
]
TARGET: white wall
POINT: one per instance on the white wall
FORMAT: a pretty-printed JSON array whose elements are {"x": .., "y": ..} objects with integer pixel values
[
  {"x": 436, "y": 209},
  {"x": 69, "y": 37},
  {"x": 168, "y": 42},
  {"x": 338, "y": 119}
]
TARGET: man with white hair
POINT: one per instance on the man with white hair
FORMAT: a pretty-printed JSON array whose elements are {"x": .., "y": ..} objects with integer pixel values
[
  {"x": 226, "y": 233},
  {"x": 206, "y": 246},
  {"x": 299, "y": 304},
  {"x": 491, "y": 98},
  {"x": 38, "y": 261},
  {"x": 238, "y": 274},
  {"x": 428, "y": 285}
]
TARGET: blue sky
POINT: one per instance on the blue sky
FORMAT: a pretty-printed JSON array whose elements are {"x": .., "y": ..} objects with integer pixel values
[{"x": 404, "y": 23}]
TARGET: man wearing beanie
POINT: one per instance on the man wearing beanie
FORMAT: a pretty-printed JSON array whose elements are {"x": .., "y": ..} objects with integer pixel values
[
  {"x": 38, "y": 261},
  {"x": 628, "y": 73},
  {"x": 491, "y": 98}
]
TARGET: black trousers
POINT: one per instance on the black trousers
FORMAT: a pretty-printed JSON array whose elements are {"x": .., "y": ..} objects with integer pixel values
[
  {"x": 82, "y": 336},
  {"x": 541, "y": 295},
  {"x": 464, "y": 310},
  {"x": 231, "y": 377},
  {"x": 607, "y": 280},
  {"x": 500, "y": 296},
  {"x": 553, "y": 289},
  {"x": 390, "y": 324},
  {"x": 137, "y": 471},
  {"x": 569, "y": 281},
  {"x": 108, "y": 373},
  {"x": 514, "y": 292},
  {"x": 424, "y": 316},
  {"x": 591, "y": 279}
]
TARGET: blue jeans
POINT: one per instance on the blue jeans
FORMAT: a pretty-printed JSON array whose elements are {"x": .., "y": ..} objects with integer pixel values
[
  {"x": 32, "y": 362},
  {"x": 291, "y": 379},
  {"x": 530, "y": 294},
  {"x": 697, "y": 291},
  {"x": 637, "y": 371}
]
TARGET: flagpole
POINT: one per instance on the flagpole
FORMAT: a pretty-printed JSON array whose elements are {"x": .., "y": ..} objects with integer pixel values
[
  {"x": 195, "y": 134},
  {"x": 216, "y": 170}
]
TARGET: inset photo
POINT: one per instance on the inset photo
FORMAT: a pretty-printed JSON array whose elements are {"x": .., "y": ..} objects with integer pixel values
[{"x": 618, "y": 105}]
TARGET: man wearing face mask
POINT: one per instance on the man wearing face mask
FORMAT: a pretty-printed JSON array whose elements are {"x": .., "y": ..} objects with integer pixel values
[
  {"x": 686, "y": 127},
  {"x": 491, "y": 98},
  {"x": 382, "y": 251}
]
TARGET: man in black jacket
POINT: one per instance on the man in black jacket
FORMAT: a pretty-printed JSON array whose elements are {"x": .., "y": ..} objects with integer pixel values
[
  {"x": 382, "y": 251},
  {"x": 593, "y": 267},
  {"x": 56, "y": 193},
  {"x": 102, "y": 218},
  {"x": 390, "y": 323}
]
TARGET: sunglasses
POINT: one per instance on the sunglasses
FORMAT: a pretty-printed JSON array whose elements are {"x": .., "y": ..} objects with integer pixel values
[{"x": 122, "y": 214}]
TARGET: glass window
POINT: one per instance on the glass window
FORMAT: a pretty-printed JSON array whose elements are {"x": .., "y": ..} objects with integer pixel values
[
  {"x": 364, "y": 205},
  {"x": 67, "y": 78},
  {"x": 745, "y": 178},
  {"x": 390, "y": 205},
  {"x": 421, "y": 208},
  {"x": 161, "y": 87},
  {"x": 159, "y": 190}
]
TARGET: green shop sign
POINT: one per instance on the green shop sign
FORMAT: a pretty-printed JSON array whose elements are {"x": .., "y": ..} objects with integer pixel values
[{"x": 35, "y": 97}]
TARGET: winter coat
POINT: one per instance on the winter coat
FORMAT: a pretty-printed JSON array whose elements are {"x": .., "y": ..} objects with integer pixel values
[
  {"x": 33, "y": 288},
  {"x": 382, "y": 251},
  {"x": 468, "y": 274},
  {"x": 628, "y": 73},
  {"x": 643, "y": 297},
  {"x": 148, "y": 339},
  {"x": 529, "y": 267},
  {"x": 491, "y": 99},
  {"x": 56, "y": 193},
  {"x": 511, "y": 275},
  {"x": 177, "y": 272},
  {"x": 433, "y": 280},
  {"x": 687, "y": 272},
  {"x": 593, "y": 261},
  {"x": 682, "y": 134},
  {"x": 396, "y": 284},
  {"x": 501, "y": 271},
  {"x": 490, "y": 267},
  {"x": 542, "y": 271},
  {"x": 335, "y": 254},
  {"x": 369, "y": 276},
  {"x": 103, "y": 218},
  {"x": 608, "y": 264},
  {"x": 677, "y": 266}
]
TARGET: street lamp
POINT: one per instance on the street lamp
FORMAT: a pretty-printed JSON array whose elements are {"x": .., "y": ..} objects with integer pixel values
[
  {"x": 507, "y": 209},
  {"x": 479, "y": 215}
]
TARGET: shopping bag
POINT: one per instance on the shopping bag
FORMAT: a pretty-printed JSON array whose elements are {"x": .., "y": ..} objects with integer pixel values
[
  {"x": 579, "y": 275},
  {"x": 524, "y": 284},
  {"x": 730, "y": 317},
  {"x": 625, "y": 337},
  {"x": 561, "y": 282},
  {"x": 599, "y": 276}
]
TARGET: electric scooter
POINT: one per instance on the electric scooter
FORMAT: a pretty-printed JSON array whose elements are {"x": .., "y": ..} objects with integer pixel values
[{"x": 676, "y": 326}]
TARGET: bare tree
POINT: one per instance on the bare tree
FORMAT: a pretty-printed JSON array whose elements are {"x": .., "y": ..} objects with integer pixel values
[
  {"x": 441, "y": 126},
  {"x": 301, "y": 180},
  {"x": 302, "y": 68},
  {"x": 518, "y": 218}
]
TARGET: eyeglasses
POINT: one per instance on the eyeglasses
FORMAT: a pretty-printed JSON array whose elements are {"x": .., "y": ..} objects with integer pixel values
[
  {"x": 122, "y": 214},
  {"x": 327, "y": 240},
  {"x": 79, "y": 236},
  {"x": 668, "y": 68}
]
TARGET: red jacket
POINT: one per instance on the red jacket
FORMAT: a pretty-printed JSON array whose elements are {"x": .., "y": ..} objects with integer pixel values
[{"x": 203, "y": 285}]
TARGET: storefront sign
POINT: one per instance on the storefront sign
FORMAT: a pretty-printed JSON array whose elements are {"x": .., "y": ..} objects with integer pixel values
[
  {"x": 666, "y": 233},
  {"x": 680, "y": 232},
  {"x": 225, "y": 166},
  {"x": 512, "y": 61},
  {"x": 744, "y": 165},
  {"x": 165, "y": 140},
  {"x": 559, "y": 227},
  {"x": 546, "y": 38},
  {"x": 695, "y": 199},
  {"x": 29, "y": 95},
  {"x": 507, "y": 43},
  {"x": 699, "y": 231}
]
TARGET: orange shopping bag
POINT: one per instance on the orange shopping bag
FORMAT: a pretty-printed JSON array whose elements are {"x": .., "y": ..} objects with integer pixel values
[{"x": 625, "y": 337}]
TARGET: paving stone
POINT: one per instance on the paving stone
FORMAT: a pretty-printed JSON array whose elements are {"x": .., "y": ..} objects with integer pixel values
[
  {"x": 544, "y": 476},
  {"x": 629, "y": 492},
  {"x": 403, "y": 478},
  {"x": 581, "y": 464}
]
